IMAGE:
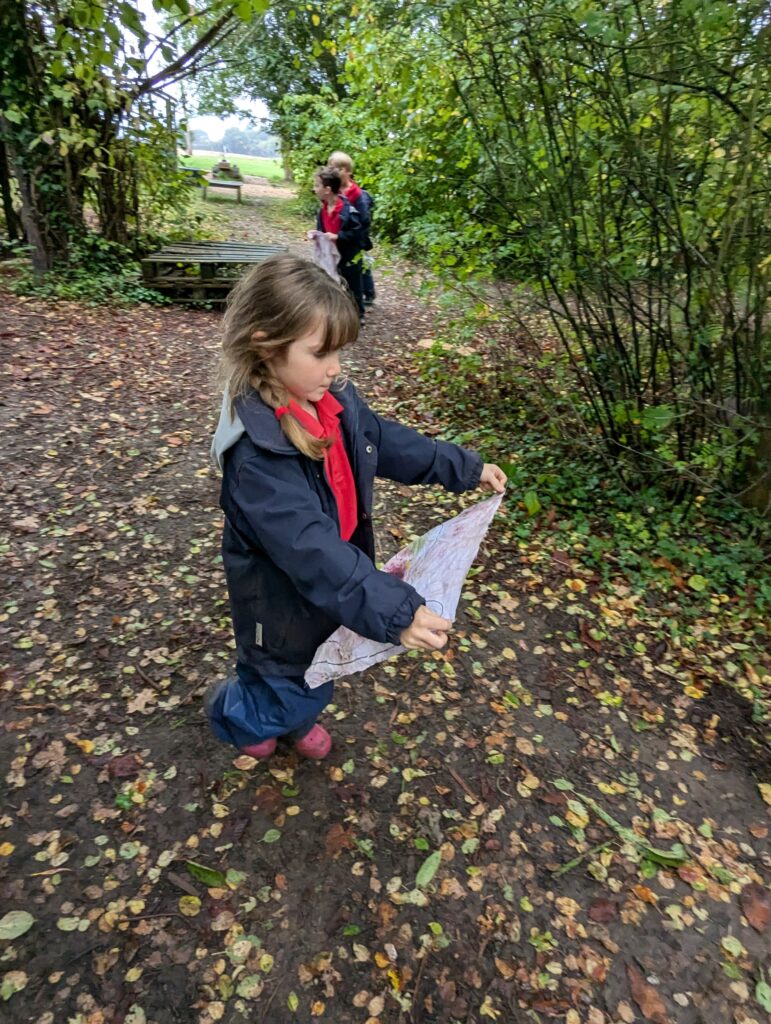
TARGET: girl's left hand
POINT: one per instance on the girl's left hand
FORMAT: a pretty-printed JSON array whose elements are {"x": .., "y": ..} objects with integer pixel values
[{"x": 492, "y": 479}]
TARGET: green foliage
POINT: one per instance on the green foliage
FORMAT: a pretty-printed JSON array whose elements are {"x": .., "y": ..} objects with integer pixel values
[
  {"x": 78, "y": 106},
  {"x": 98, "y": 273},
  {"x": 291, "y": 51},
  {"x": 610, "y": 156},
  {"x": 562, "y": 485}
]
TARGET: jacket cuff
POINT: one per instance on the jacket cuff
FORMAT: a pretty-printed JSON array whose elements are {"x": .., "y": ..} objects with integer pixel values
[
  {"x": 403, "y": 616},
  {"x": 475, "y": 471}
]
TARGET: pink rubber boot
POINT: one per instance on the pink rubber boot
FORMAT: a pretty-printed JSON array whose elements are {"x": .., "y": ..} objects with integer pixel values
[
  {"x": 316, "y": 744},
  {"x": 260, "y": 751}
]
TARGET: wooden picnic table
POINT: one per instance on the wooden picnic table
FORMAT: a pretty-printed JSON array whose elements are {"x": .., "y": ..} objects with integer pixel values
[{"x": 196, "y": 271}]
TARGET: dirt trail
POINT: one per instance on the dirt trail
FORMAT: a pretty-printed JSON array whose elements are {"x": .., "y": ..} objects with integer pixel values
[{"x": 521, "y": 755}]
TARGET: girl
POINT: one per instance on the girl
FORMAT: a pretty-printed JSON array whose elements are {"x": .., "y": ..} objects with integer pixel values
[
  {"x": 299, "y": 450},
  {"x": 339, "y": 220}
]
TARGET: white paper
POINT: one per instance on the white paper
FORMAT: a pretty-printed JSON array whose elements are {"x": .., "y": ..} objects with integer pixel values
[
  {"x": 436, "y": 566},
  {"x": 325, "y": 253}
]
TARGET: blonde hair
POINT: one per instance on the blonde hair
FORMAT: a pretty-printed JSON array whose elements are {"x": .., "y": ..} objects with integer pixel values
[
  {"x": 340, "y": 159},
  {"x": 284, "y": 298}
]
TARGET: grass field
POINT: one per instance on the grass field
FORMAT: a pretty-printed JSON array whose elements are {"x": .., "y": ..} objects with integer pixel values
[{"x": 263, "y": 167}]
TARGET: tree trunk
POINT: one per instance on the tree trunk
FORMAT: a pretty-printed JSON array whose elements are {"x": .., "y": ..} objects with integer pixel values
[{"x": 13, "y": 225}]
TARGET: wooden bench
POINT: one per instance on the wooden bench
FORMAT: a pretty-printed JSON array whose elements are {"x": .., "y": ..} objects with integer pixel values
[
  {"x": 216, "y": 183},
  {"x": 202, "y": 271},
  {"x": 194, "y": 175}
]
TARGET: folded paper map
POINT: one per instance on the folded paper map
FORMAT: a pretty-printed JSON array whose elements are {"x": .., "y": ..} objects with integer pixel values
[{"x": 436, "y": 566}]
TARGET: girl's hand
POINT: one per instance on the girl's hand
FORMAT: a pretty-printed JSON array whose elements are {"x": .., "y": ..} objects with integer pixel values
[
  {"x": 332, "y": 237},
  {"x": 492, "y": 479},
  {"x": 426, "y": 632}
]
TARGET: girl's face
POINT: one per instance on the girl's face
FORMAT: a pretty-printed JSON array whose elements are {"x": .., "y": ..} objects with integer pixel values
[
  {"x": 323, "y": 192},
  {"x": 305, "y": 372}
]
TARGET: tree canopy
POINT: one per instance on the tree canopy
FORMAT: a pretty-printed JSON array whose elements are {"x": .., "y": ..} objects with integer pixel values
[{"x": 81, "y": 105}]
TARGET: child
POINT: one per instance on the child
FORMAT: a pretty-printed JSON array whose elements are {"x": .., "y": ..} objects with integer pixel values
[
  {"x": 300, "y": 451},
  {"x": 340, "y": 222},
  {"x": 363, "y": 202}
]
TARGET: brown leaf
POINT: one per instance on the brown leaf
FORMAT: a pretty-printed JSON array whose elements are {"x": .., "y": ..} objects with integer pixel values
[
  {"x": 124, "y": 767},
  {"x": 756, "y": 905},
  {"x": 602, "y": 910},
  {"x": 586, "y": 638},
  {"x": 647, "y": 998},
  {"x": 182, "y": 883},
  {"x": 338, "y": 839},
  {"x": 268, "y": 799},
  {"x": 29, "y": 524}
]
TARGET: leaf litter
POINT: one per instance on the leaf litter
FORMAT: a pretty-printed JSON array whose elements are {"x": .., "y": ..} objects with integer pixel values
[{"x": 534, "y": 822}]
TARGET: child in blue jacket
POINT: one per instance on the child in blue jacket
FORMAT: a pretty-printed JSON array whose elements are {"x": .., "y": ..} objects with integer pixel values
[
  {"x": 300, "y": 450},
  {"x": 339, "y": 220},
  {"x": 363, "y": 203}
]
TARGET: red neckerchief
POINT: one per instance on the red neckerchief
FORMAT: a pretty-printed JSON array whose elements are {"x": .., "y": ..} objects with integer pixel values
[
  {"x": 331, "y": 221},
  {"x": 336, "y": 462},
  {"x": 352, "y": 193}
]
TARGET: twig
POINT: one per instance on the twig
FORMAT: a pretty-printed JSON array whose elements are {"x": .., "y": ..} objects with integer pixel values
[
  {"x": 273, "y": 995},
  {"x": 464, "y": 785}
]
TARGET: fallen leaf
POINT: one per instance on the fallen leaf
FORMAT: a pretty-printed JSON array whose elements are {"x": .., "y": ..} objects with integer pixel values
[
  {"x": 647, "y": 998},
  {"x": 15, "y": 923},
  {"x": 602, "y": 910},
  {"x": 756, "y": 905}
]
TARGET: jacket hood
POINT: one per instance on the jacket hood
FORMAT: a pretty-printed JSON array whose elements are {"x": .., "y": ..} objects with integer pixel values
[
  {"x": 230, "y": 429},
  {"x": 255, "y": 418}
]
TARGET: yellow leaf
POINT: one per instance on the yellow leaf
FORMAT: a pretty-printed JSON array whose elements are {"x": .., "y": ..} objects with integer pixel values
[
  {"x": 244, "y": 763},
  {"x": 577, "y": 585},
  {"x": 316, "y": 21},
  {"x": 765, "y": 791},
  {"x": 567, "y": 906},
  {"x": 220, "y": 811},
  {"x": 133, "y": 974},
  {"x": 189, "y": 905},
  {"x": 611, "y": 788},
  {"x": 86, "y": 746},
  {"x": 381, "y": 959},
  {"x": 317, "y": 1008},
  {"x": 6, "y": 849}
]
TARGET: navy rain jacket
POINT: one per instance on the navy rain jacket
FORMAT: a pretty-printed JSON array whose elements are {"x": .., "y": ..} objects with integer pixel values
[
  {"x": 350, "y": 235},
  {"x": 292, "y": 579}
]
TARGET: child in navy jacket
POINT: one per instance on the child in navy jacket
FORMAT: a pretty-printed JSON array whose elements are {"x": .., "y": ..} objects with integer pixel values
[
  {"x": 363, "y": 203},
  {"x": 340, "y": 221},
  {"x": 299, "y": 451}
]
